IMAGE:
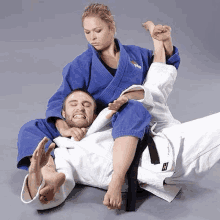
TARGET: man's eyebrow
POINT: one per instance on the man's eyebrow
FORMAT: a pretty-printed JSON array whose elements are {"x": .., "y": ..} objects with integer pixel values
[
  {"x": 87, "y": 102},
  {"x": 73, "y": 101}
]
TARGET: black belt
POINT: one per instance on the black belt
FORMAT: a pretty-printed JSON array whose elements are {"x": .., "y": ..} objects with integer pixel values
[{"x": 147, "y": 141}]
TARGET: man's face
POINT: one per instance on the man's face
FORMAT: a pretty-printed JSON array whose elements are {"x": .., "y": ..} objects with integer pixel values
[{"x": 79, "y": 110}]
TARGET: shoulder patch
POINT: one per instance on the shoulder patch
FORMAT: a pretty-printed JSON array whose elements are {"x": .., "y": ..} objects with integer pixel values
[{"x": 135, "y": 64}]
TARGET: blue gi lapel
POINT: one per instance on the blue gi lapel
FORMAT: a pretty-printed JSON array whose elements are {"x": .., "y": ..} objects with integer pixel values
[
  {"x": 112, "y": 90},
  {"x": 108, "y": 87}
]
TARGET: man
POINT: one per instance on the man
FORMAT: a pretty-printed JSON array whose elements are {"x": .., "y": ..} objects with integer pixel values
[
  {"x": 85, "y": 161},
  {"x": 184, "y": 154}
]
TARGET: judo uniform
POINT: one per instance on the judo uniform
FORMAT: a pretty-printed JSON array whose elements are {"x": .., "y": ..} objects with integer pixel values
[
  {"x": 185, "y": 155},
  {"x": 87, "y": 71}
]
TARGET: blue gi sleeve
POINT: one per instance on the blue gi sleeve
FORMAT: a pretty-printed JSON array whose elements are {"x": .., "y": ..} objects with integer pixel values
[
  {"x": 147, "y": 57},
  {"x": 75, "y": 76},
  {"x": 174, "y": 59}
]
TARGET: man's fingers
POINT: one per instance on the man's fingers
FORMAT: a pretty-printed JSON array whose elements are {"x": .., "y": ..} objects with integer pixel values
[
  {"x": 39, "y": 148},
  {"x": 116, "y": 105},
  {"x": 50, "y": 148},
  {"x": 111, "y": 114},
  {"x": 42, "y": 143}
]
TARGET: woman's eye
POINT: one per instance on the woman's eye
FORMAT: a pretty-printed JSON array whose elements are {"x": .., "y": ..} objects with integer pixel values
[
  {"x": 98, "y": 31},
  {"x": 87, "y": 32}
]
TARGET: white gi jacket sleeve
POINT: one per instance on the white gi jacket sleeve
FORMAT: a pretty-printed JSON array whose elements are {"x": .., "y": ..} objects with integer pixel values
[{"x": 157, "y": 87}]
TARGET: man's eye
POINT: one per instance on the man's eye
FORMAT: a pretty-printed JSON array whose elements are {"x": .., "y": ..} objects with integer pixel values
[
  {"x": 87, "y": 32},
  {"x": 98, "y": 31},
  {"x": 73, "y": 104},
  {"x": 86, "y": 104}
]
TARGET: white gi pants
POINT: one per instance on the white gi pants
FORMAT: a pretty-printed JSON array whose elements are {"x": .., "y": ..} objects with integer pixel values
[{"x": 199, "y": 148}]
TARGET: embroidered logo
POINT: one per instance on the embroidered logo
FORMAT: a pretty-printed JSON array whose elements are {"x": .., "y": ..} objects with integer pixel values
[
  {"x": 165, "y": 165},
  {"x": 135, "y": 64}
]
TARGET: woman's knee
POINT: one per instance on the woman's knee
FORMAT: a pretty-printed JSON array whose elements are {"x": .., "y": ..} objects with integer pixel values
[{"x": 133, "y": 108}]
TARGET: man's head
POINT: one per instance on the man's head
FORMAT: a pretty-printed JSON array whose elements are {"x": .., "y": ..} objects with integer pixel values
[{"x": 79, "y": 109}]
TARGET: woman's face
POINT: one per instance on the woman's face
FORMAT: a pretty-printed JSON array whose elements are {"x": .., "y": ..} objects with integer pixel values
[{"x": 98, "y": 33}]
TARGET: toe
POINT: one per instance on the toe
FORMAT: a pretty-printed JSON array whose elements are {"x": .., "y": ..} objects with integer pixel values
[
  {"x": 119, "y": 205},
  {"x": 106, "y": 201}
]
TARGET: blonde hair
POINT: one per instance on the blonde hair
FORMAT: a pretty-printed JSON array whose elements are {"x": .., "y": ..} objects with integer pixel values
[{"x": 101, "y": 11}]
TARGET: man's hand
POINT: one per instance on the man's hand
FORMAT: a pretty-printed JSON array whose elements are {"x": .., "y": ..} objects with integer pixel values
[
  {"x": 116, "y": 105},
  {"x": 38, "y": 160},
  {"x": 160, "y": 34},
  {"x": 77, "y": 133}
]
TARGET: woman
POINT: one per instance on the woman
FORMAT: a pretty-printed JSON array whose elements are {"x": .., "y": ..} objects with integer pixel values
[{"x": 105, "y": 70}]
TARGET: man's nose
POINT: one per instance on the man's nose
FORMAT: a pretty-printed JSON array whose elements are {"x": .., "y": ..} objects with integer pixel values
[{"x": 80, "y": 107}]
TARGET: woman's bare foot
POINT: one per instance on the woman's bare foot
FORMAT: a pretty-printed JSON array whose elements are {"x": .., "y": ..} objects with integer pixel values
[{"x": 113, "y": 197}]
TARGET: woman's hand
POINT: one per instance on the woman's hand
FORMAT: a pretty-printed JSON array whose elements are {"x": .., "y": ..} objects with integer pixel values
[{"x": 77, "y": 133}]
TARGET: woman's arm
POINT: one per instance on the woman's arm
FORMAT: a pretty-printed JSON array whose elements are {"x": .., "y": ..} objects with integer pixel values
[{"x": 77, "y": 133}]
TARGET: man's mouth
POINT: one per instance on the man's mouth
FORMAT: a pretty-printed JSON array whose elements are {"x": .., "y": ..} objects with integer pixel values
[{"x": 79, "y": 116}]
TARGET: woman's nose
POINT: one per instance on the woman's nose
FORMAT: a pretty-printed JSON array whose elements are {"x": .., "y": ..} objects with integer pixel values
[{"x": 93, "y": 36}]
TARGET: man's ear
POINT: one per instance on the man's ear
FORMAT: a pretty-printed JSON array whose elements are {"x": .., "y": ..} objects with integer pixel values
[
  {"x": 63, "y": 114},
  {"x": 94, "y": 117}
]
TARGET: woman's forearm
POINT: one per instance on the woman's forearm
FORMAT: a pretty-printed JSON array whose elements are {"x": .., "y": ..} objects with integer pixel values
[{"x": 61, "y": 125}]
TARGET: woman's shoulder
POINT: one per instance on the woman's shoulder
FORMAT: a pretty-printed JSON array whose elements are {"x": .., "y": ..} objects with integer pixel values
[
  {"x": 85, "y": 58},
  {"x": 81, "y": 63}
]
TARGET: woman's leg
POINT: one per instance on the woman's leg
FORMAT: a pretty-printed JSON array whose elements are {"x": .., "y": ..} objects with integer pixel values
[{"x": 129, "y": 124}]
